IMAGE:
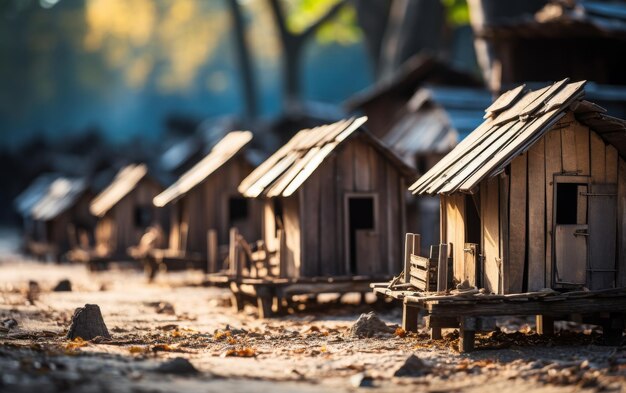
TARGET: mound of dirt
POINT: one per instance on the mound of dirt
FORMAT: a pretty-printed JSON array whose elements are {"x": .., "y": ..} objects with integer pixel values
[
  {"x": 412, "y": 367},
  {"x": 369, "y": 325},
  {"x": 177, "y": 366}
]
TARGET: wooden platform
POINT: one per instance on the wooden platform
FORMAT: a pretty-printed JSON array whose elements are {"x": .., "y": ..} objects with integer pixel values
[
  {"x": 471, "y": 311},
  {"x": 271, "y": 295}
]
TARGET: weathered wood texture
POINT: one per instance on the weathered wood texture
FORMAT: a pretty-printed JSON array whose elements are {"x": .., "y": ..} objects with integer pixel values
[
  {"x": 514, "y": 265},
  {"x": 602, "y": 235},
  {"x": 119, "y": 229},
  {"x": 455, "y": 236},
  {"x": 206, "y": 207},
  {"x": 553, "y": 167},
  {"x": 317, "y": 223},
  {"x": 621, "y": 224},
  {"x": 536, "y": 216},
  {"x": 491, "y": 234}
]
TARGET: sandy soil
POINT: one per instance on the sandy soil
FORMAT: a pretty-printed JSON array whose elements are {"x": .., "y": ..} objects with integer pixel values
[{"x": 306, "y": 351}]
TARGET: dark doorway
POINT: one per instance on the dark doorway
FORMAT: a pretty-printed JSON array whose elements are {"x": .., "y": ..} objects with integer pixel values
[
  {"x": 472, "y": 216},
  {"x": 237, "y": 209},
  {"x": 142, "y": 217},
  {"x": 360, "y": 217}
]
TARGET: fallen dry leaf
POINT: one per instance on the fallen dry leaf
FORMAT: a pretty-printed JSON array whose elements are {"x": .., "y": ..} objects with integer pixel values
[
  {"x": 76, "y": 343},
  {"x": 245, "y": 352}
]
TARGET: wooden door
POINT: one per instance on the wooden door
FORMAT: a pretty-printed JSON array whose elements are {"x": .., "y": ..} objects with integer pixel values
[
  {"x": 570, "y": 231},
  {"x": 602, "y": 209},
  {"x": 361, "y": 234},
  {"x": 470, "y": 264}
]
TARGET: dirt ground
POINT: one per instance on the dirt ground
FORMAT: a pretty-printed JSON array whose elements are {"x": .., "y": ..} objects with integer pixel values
[{"x": 309, "y": 351}]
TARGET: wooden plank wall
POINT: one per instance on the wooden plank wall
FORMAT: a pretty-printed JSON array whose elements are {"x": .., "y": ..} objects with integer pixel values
[
  {"x": 490, "y": 211},
  {"x": 455, "y": 234},
  {"x": 293, "y": 235},
  {"x": 621, "y": 224},
  {"x": 205, "y": 207},
  {"x": 536, "y": 216},
  {"x": 356, "y": 167},
  {"x": 515, "y": 265}
]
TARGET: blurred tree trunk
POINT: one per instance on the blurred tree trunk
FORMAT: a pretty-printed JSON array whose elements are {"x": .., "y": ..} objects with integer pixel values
[
  {"x": 293, "y": 45},
  {"x": 245, "y": 61},
  {"x": 398, "y": 29}
]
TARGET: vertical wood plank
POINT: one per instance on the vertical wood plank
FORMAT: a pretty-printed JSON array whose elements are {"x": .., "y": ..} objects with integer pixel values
[
  {"x": 293, "y": 235},
  {"x": 361, "y": 167},
  {"x": 536, "y": 216},
  {"x": 611, "y": 164},
  {"x": 457, "y": 247},
  {"x": 451, "y": 229},
  {"x": 395, "y": 217},
  {"x": 553, "y": 166},
  {"x": 602, "y": 235},
  {"x": 621, "y": 224},
  {"x": 598, "y": 159},
  {"x": 505, "y": 268},
  {"x": 491, "y": 234},
  {"x": 311, "y": 225},
  {"x": 568, "y": 147},
  {"x": 517, "y": 225},
  {"x": 442, "y": 268},
  {"x": 328, "y": 230},
  {"x": 581, "y": 139},
  {"x": 408, "y": 246}
]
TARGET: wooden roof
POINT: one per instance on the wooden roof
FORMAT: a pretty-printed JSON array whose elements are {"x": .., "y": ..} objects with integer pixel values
[
  {"x": 417, "y": 70},
  {"x": 32, "y": 194},
  {"x": 436, "y": 118},
  {"x": 124, "y": 182},
  {"x": 514, "y": 122},
  {"x": 61, "y": 194},
  {"x": 221, "y": 153},
  {"x": 287, "y": 169}
]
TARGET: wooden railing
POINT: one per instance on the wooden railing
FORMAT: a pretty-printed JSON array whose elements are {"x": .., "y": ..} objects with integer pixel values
[
  {"x": 255, "y": 262},
  {"x": 427, "y": 274}
]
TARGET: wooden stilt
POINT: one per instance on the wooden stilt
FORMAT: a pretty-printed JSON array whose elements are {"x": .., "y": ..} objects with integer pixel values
[
  {"x": 409, "y": 318},
  {"x": 545, "y": 325},
  {"x": 613, "y": 330},
  {"x": 435, "y": 333},
  {"x": 467, "y": 334},
  {"x": 264, "y": 302}
]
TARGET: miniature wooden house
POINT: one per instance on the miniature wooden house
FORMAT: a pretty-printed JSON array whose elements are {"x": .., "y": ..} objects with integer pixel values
[
  {"x": 333, "y": 202},
  {"x": 431, "y": 124},
  {"x": 125, "y": 211},
  {"x": 535, "y": 197},
  {"x": 56, "y": 215},
  {"x": 385, "y": 102},
  {"x": 205, "y": 202}
]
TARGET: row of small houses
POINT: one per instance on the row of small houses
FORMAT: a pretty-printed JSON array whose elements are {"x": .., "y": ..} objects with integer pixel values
[{"x": 533, "y": 198}]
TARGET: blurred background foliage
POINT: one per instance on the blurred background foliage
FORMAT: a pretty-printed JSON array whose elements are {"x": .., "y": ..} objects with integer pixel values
[{"x": 123, "y": 66}]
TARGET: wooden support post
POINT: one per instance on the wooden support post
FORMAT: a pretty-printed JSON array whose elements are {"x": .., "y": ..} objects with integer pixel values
[
  {"x": 264, "y": 302},
  {"x": 435, "y": 333},
  {"x": 442, "y": 268},
  {"x": 233, "y": 253},
  {"x": 613, "y": 330},
  {"x": 236, "y": 298},
  {"x": 467, "y": 334},
  {"x": 211, "y": 238},
  {"x": 282, "y": 254},
  {"x": 545, "y": 325},
  {"x": 409, "y": 317},
  {"x": 416, "y": 244},
  {"x": 408, "y": 246}
]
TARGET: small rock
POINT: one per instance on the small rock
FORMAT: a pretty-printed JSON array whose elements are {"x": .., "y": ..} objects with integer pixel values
[
  {"x": 9, "y": 323},
  {"x": 63, "y": 286},
  {"x": 33, "y": 291},
  {"x": 177, "y": 366},
  {"x": 164, "y": 308},
  {"x": 412, "y": 367},
  {"x": 361, "y": 380},
  {"x": 369, "y": 325},
  {"x": 87, "y": 323}
]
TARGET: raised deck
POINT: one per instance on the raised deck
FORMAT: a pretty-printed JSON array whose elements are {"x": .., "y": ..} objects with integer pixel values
[{"x": 470, "y": 310}]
